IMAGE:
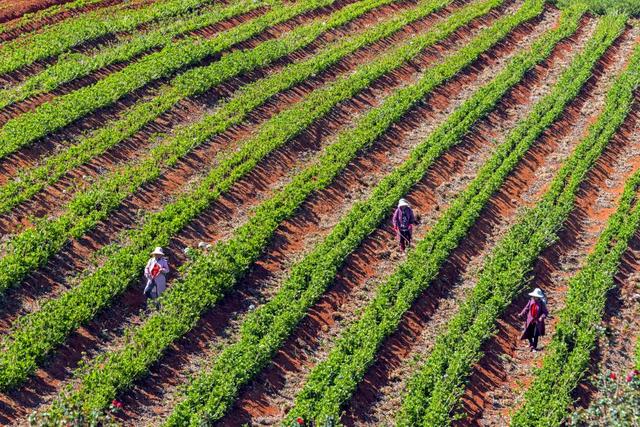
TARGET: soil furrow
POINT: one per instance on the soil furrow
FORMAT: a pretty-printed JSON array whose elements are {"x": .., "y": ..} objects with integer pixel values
[
  {"x": 28, "y": 155},
  {"x": 19, "y": 75},
  {"x": 51, "y": 200},
  {"x": 105, "y": 332},
  {"x": 11, "y": 34},
  {"x": 505, "y": 371},
  {"x": 615, "y": 349},
  {"x": 15, "y": 9},
  {"x": 269, "y": 396},
  {"x": 33, "y": 102},
  {"x": 76, "y": 256},
  {"x": 378, "y": 396}
]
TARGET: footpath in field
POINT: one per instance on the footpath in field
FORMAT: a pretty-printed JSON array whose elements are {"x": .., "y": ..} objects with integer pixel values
[
  {"x": 377, "y": 398},
  {"x": 507, "y": 365},
  {"x": 271, "y": 393},
  {"x": 347, "y": 114}
]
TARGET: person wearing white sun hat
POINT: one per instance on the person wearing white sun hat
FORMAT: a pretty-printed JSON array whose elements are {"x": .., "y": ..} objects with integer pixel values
[
  {"x": 403, "y": 221},
  {"x": 536, "y": 312},
  {"x": 155, "y": 272}
]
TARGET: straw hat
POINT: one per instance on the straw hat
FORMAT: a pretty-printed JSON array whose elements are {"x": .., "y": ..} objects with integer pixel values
[
  {"x": 537, "y": 293},
  {"x": 402, "y": 203},
  {"x": 158, "y": 251}
]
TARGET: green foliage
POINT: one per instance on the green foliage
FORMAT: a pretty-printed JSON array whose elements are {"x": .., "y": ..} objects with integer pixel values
[
  {"x": 209, "y": 277},
  {"x": 331, "y": 383},
  {"x": 568, "y": 354},
  {"x": 630, "y": 7},
  {"x": 618, "y": 406},
  {"x": 435, "y": 389}
]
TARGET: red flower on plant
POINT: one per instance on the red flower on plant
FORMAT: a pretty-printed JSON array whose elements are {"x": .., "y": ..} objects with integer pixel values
[
  {"x": 117, "y": 404},
  {"x": 632, "y": 374},
  {"x": 612, "y": 375},
  {"x": 300, "y": 421}
]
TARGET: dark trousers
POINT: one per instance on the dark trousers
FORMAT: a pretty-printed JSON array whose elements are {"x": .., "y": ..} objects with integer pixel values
[
  {"x": 404, "y": 238},
  {"x": 532, "y": 335}
]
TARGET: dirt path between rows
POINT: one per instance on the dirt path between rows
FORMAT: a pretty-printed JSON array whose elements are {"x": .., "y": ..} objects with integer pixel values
[
  {"x": 506, "y": 369},
  {"x": 379, "y": 395},
  {"x": 13, "y": 9},
  {"x": 616, "y": 349},
  {"x": 271, "y": 394},
  {"x": 105, "y": 332}
]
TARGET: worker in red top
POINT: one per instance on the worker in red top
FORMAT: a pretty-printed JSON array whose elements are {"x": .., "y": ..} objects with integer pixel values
[
  {"x": 403, "y": 221},
  {"x": 536, "y": 312},
  {"x": 155, "y": 273}
]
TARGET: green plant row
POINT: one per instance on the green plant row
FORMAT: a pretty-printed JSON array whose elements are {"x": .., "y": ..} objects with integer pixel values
[
  {"x": 65, "y": 109},
  {"x": 218, "y": 272},
  {"x": 193, "y": 82},
  {"x": 263, "y": 331},
  {"x": 28, "y": 18},
  {"x": 332, "y": 382},
  {"x": 568, "y": 354},
  {"x": 67, "y": 34},
  {"x": 21, "y": 353},
  {"x": 33, "y": 247},
  {"x": 74, "y": 66},
  {"x": 437, "y": 386}
]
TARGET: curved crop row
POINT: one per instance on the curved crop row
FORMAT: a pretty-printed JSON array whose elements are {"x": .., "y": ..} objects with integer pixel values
[
  {"x": 333, "y": 381},
  {"x": 435, "y": 389},
  {"x": 191, "y": 83},
  {"x": 184, "y": 303},
  {"x": 59, "y": 317},
  {"x": 34, "y": 246},
  {"x": 72, "y": 67},
  {"x": 264, "y": 331},
  {"x": 28, "y": 18},
  {"x": 568, "y": 354},
  {"x": 64, "y": 110},
  {"x": 58, "y": 38}
]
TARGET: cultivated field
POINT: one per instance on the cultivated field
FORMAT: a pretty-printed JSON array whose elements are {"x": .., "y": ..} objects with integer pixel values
[{"x": 264, "y": 144}]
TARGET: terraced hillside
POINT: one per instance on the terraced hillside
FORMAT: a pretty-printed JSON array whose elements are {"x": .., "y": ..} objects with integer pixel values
[{"x": 264, "y": 144}]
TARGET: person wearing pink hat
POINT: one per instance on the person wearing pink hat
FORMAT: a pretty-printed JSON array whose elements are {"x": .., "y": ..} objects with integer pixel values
[
  {"x": 536, "y": 312},
  {"x": 403, "y": 221},
  {"x": 155, "y": 273}
]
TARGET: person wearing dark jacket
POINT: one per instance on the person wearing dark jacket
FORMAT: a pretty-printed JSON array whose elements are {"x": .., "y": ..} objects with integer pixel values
[
  {"x": 403, "y": 221},
  {"x": 536, "y": 312}
]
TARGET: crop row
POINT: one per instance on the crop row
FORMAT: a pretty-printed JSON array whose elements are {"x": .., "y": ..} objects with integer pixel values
[
  {"x": 29, "y": 18},
  {"x": 209, "y": 277},
  {"x": 33, "y": 247},
  {"x": 569, "y": 352},
  {"x": 192, "y": 82},
  {"x": 121, "y": 270},
  {"x": 263, "y": 332},
  {"x": 435, "y": 389},
  {"x": 64, "y": 110},
  {"x": 332, "y": 382},
  {"x": 71, "y": 67},
  {"x": 58, "y": 38}
]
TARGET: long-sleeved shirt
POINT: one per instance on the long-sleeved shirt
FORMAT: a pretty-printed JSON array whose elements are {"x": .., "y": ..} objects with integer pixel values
[
  {"x": 397, "y": 217},
  {"x": 160, "y": 279}
]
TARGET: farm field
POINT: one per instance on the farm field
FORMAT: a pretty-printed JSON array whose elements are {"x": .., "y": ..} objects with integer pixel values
[{"x": 265, "y": 145}]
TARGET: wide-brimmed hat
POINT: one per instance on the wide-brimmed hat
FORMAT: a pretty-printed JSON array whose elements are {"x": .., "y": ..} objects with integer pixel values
[
  {"x": 402, "y": 203},
  {"x": 158, "y": 251},
  {"x": 537, "y": 292}
]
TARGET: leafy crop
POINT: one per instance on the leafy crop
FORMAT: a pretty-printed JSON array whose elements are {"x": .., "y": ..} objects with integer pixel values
[
  {"x": 568, "y": 354},
  {"x": 60, "y": 316},
  {"x": 434, "y": 391}
]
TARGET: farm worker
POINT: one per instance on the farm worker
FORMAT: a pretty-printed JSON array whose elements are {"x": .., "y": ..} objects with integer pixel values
[
  {"x": 403, "y": 220},
  {"x": 536, "y": 311},
  {"x": 155, "y": 272}
]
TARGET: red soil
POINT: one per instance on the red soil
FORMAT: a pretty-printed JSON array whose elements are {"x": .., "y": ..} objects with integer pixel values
[
  {"x": 13, "y": 9},
  {"x": 271, "y": 394},
  {"x": 506, "y": 368},
  {"x": 210, "y": 226}
]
